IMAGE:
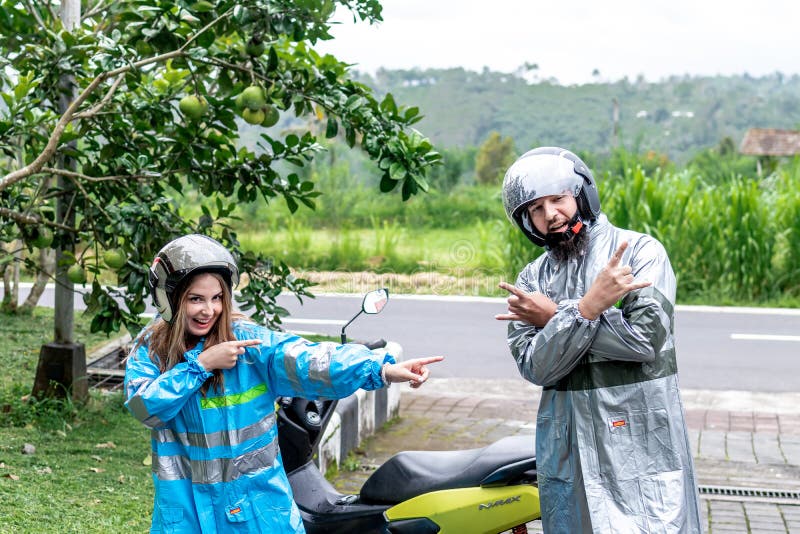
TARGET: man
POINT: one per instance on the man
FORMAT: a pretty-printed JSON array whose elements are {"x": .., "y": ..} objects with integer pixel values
[{"x": 613, "y": 453}]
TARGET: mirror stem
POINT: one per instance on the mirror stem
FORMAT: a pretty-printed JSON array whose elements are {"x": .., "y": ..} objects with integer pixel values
[{"x": 344, "y": 337}]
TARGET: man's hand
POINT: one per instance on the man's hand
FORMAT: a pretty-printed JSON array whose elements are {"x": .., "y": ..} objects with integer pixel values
[
  {"x": 225, "y": 355},
  {"x": 534, "y": 308},
  {"x": 614, "y": 282},
  {"x": 413, "y": 371}
]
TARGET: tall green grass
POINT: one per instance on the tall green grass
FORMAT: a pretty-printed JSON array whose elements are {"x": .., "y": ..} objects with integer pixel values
[
  {"x": 731, "y": 238},
  {"x": 729, "y": 241}
]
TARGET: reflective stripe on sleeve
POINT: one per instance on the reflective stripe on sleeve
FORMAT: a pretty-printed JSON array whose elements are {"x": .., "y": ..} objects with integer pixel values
[
  {"x": 318, "y": 366},
  {"x": 139, "y": 410},
  {"x": 134, "y": 385},
  {"x": 290, "y": 363}
]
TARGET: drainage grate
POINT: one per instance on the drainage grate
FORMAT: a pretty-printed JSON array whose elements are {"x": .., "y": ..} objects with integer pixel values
[{"x": 731, "y": 493}]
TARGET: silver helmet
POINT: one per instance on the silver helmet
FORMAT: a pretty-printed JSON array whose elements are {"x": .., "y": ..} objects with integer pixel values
[
  {"x": 182, "y": 257},
  {"x": 548, "y": 171}
]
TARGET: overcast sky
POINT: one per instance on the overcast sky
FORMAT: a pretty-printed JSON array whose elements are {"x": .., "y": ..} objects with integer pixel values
[{"x": 569, "y": 39}]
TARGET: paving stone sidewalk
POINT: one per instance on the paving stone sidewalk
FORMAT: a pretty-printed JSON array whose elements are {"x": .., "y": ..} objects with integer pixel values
[{"x": 743, "y": 440}]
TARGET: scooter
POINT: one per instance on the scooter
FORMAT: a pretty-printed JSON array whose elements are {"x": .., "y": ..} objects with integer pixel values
[{"x": 485, "y": 490}]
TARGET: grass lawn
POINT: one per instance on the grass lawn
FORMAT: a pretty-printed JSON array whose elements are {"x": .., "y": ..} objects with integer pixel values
[
  {"x": 87, "y": 476},
  {"x": 88, "y": 471}
]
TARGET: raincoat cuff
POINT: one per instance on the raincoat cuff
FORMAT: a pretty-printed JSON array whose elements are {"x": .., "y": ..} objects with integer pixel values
[
  {"x": 194, "y": 364},
  {"x": 570, "y": 306},
  {"x": 380, "y": 381}
]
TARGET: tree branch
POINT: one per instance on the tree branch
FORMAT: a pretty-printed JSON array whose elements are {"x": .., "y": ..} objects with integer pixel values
[
  {"x": 222, "y": 63},
  {"x": 70, "y": 114},
  {"x": 35, "y": 12},
  {"x": 50, "y": 10},
  {"x": 92, "y": 11},
  {"x": 32, "y": 219},
  {"x": 19, "y": 217},
  {"x": 204, "y": 28},
  {"x": 87, "y": 178},
  {"x": 52, "y": 144},
  {"x": 79, "y": 185},
  {"x": 100, "y": 105}
]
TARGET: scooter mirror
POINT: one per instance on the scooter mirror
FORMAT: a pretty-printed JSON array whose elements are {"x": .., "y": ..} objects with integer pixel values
[{"x": 374, "y": 301}]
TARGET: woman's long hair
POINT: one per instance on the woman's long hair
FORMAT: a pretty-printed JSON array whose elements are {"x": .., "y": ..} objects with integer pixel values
[{"x": 167, "y": 343}]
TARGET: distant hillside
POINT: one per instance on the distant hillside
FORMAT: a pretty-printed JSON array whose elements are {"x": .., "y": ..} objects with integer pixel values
[{"x": 678, "y": 116}]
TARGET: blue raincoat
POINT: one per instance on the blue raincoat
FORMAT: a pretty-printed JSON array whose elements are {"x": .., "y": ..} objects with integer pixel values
[{"x": 216, "y": 463}]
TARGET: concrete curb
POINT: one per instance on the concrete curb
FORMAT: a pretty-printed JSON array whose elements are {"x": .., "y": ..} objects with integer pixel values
[{"x": 358, "y": 417}]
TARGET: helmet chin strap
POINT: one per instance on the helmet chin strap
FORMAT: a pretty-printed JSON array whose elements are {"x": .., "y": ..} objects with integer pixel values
[{"x": 574, "y": 226}]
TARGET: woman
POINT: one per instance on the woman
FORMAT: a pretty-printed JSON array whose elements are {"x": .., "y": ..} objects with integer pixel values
[{"x": 205, "y": 380}]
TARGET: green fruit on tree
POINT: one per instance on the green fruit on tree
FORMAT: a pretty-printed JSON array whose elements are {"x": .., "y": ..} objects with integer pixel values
[
  {"x": 271, "y": 116},
  {"x": 238, "y": 103},
  {"x": 193, "y": 106},
  {"x": 255, "y": 48},
  {"x": 76, "y": 274},
  {"x": 253, "y": 117},
  {"x": 114, "y": 258},
  {"x": 253, "y": 98},
  {"x": 43, "y": 238}
]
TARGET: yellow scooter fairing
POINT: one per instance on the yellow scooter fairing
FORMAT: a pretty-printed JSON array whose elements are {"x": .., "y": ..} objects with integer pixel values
[{"x": 474, "y": 510}]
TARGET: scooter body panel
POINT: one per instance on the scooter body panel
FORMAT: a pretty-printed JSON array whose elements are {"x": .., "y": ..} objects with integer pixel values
[
  {"x": 477, "y": 491},
  {"x": 477, "y": 510}
]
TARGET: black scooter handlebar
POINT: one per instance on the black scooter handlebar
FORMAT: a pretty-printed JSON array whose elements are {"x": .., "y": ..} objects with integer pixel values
[{"x": 376, "y": 344}]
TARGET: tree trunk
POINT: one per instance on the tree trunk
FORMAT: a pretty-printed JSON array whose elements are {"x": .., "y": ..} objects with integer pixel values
[
  {"x": 11, "y": 277},
  {"x": 47, "y": 266},
  {"x": 64, "y": 314},
  {"x": 61, "y": 370}
]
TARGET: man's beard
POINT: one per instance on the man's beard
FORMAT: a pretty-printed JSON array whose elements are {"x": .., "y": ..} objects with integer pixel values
[{"x": 572, "y": 248}]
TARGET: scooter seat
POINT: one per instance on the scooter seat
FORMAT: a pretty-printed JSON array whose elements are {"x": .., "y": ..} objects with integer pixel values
[{"x": 411, "y": 473}]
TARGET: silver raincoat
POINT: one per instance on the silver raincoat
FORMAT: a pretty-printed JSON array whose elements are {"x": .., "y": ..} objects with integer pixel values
[{"x": 612, "y": 447}]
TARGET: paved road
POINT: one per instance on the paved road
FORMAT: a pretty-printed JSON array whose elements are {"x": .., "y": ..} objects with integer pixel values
[
  {"x": 718, "y": 348},
  {"x": 742, "y": 349}
]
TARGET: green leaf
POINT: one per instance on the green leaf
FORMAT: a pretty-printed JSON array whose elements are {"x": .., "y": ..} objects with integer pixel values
[
  {"x": 272, "y": 62},
  {"x": 397, "y": 171},
  {"x": 20, "y": 91},
  {"x": 420, "y": 181},
  {"x": 332, "y": 128},
  {"x": 388, "y": 104},
  {"x": 387, "y": 184},
  {"x": 203, "y": 6},
  {"x": 199, "y": 52},
  {"x": 409, "y": 189},
  {"x": 353, "y": 102},
  {"x": 225, "y": 82}
]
